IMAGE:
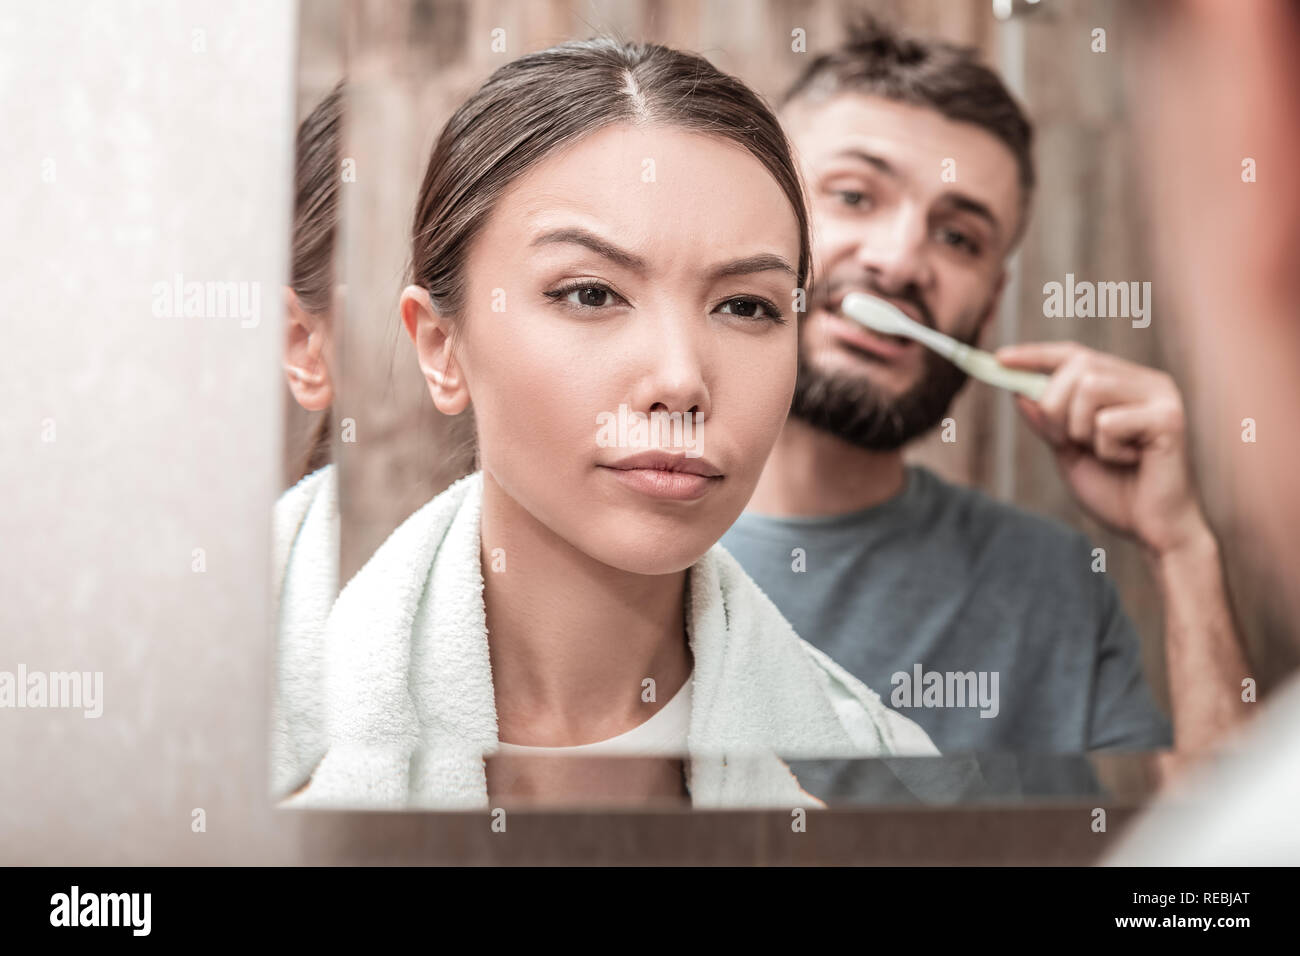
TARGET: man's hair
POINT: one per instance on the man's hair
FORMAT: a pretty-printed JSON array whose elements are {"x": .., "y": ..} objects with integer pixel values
[{"x": 878, "y": 60}]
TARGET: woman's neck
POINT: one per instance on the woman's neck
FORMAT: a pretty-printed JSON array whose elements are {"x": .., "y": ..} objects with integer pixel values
[{"x": 572, "y": 639}]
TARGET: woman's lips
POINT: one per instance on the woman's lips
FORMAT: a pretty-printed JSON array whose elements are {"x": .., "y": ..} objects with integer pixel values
[
  {"x": 665, "y": 475},
  {"x": 657, "y": 483}
]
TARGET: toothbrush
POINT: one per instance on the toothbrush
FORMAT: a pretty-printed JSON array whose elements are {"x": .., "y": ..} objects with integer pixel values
[{"x": 880, "y": 316}]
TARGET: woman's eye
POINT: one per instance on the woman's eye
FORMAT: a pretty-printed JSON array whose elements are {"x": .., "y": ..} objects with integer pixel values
[
  {"x": 748, "y": 308},
  {"x": 591, "y": 296},
  {"x": 852, "y": 198},
  {"x": 585, "y": 296}
]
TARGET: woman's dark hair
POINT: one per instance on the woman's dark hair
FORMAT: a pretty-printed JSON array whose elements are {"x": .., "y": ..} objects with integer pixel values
[
  {"x": 547, "y": 100},
  {"x": 315, "y": 229}
]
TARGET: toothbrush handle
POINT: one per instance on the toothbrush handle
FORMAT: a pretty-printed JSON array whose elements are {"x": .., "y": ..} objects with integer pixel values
[
  {"x": 983, "y": 366},
  {"x": 1030, "y": 384}
]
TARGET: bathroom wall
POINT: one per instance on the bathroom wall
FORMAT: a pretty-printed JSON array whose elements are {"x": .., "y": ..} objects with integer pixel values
[{"x": 140, "y": 449}]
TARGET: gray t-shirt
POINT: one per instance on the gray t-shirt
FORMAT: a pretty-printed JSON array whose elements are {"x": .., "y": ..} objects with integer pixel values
[{"x": 950, "y": 605}]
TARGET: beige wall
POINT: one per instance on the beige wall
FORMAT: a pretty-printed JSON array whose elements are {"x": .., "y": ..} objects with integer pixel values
[{"x": 166, "y": 431}]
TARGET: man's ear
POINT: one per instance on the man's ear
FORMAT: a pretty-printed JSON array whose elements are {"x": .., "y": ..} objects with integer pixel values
[
  {"x": 431, "y": 334},
  {"x": 992, "y": 308},
  {"x": 304, "y": 355}
]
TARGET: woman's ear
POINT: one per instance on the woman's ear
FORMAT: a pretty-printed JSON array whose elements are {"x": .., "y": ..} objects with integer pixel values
[
  {"x": 431, "y": 334},
  {"x": 305, "y": 355}
]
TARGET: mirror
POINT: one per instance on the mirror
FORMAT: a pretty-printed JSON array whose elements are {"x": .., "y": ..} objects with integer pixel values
[{"x": 549, "y": 310}]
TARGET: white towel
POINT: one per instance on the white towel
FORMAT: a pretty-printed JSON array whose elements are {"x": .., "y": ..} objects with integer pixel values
[
  {"x": 305, "y": 568},
  {"x": 411, "y": 711}
]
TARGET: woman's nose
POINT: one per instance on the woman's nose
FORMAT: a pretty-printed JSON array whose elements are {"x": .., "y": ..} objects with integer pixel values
[{"x": 673, "y": 377}]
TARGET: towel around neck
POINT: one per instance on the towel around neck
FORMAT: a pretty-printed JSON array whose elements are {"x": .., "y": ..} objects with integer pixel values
[{"x": 410, "y": 710}]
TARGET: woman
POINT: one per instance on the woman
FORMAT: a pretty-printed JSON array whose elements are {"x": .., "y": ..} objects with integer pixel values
[
  {"x": 305, "y": 522},
  {"x": 606, "y": 232}
]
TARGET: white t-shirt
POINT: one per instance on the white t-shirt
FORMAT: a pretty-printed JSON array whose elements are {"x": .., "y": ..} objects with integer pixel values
[{"x": 663, "y": 733}]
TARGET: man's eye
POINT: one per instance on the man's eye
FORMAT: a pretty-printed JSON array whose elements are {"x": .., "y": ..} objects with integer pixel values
[
  {"x": 748, "y": 308},
  {"x": 959, "y": 240}
]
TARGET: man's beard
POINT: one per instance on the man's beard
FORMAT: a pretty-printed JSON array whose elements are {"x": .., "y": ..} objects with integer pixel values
[{"x": 857, "y": 410}]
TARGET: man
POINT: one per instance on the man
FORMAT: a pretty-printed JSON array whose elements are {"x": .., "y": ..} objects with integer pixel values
[{"x": 985, "y": 624}]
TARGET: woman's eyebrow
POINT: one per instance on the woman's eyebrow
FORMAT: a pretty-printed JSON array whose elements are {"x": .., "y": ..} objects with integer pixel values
[
  {"x": 596, "y": 244},
  {"x": 762, "y": 262}
]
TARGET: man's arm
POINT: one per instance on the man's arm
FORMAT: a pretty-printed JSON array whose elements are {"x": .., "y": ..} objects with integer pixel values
[
  {"x": 1204, "y": 657},
  {"x": 1118, "y": 431}
]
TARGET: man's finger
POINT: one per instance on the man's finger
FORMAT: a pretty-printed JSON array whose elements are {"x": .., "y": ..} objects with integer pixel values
[
  {"x": 1055, "y": 403},
  {"x": 1115, "y": 440},
  {"x": 1095, "y": 390},
  {"x": 1157, "y": 424},
  {"x": 1033, "y": 417},
  {"x": 1038, "y": 356}
]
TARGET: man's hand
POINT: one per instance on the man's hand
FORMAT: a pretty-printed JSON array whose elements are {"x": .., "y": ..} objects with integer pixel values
[{"x": 1118, "y": 432}]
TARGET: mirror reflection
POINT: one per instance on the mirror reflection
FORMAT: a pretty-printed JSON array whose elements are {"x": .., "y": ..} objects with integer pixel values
[{"x": 632, "y": 505}]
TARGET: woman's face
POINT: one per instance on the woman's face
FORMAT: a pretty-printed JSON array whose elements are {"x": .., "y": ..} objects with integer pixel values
[{"x": 631, "y": 295}]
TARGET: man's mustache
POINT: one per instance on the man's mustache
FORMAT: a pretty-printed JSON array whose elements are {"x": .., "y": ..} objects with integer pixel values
[{"x": 906, "y": 296}]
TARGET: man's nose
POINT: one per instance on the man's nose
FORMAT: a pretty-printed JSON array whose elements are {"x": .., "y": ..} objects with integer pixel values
[{"x": 894, "y": 249}]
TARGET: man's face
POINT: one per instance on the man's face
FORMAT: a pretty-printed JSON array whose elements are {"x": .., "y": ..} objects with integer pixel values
[{"x": 919, "y": 210}]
